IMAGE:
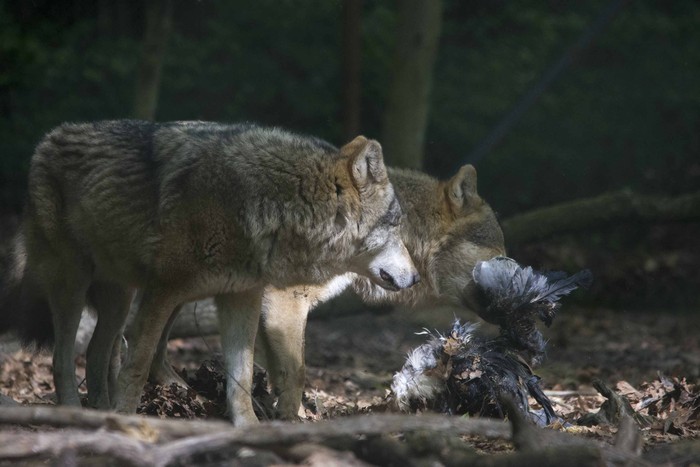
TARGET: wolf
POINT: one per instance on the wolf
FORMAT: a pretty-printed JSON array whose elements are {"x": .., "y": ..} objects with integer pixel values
[
  {"x": 186, "y": 210},
  {"x": 447, "y": 227}
]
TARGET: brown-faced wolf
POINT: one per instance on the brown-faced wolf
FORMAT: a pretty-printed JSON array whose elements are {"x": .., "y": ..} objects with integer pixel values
[
  {"x": 447, "y": 228},
  {"x": 182, "y": 211}
]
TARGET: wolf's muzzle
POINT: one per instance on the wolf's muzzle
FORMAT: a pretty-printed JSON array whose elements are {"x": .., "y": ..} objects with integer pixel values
[{"x": 393, "y": 284}]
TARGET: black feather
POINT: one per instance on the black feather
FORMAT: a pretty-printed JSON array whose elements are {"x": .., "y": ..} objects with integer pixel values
[
  {"x": 514, "y": 297},
  {"x": 559, "y": 285}
]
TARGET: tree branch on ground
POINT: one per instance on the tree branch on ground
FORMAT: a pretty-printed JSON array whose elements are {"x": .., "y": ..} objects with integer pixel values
[
  {"x": 136, "y": 440},
  {"x": 262, "y": 435}
]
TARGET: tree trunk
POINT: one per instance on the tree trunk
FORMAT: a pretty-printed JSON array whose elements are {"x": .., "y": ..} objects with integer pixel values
[
  {"x": 352, "y": 43},
  {"x": 408, "y": 100},
  {"x": 158, "y": 26}
]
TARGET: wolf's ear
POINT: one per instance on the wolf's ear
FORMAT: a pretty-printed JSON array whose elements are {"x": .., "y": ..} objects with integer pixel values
[
  {"x": 366, "y": 161},
  {"x": 461, "y": 188}
]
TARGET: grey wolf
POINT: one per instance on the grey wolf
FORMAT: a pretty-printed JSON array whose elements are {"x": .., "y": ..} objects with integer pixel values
[
  {"x": 182, "y": 211},
  {"x": 447, "y": 228}
]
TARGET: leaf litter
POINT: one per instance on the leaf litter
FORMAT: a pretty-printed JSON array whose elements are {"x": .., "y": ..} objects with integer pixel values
[{"x": 347, "y": 376}]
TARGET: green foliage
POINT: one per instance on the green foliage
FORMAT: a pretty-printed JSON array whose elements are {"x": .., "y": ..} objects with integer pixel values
[
  {"x": 270, "y": 61},
  {"x": 54, "y": 73},
  {"x": 625, "y": 114}
]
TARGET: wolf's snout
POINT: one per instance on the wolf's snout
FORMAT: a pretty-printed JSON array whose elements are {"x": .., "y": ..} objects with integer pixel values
[
  {"x": 391, "y": 267},
  {"x": 410, "y": 279},
  {"x": 403, "y": 280}
]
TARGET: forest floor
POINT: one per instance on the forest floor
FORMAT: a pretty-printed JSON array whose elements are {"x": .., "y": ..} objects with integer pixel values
[{"x": 649, "y": 357}]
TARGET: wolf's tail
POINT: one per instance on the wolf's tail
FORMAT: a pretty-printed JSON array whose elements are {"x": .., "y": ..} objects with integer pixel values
[{"x": 24, "y": 308}]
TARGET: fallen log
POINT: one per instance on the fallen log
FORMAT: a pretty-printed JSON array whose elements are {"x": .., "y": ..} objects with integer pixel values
[
  {"x": 196, "y": 319},
  {"x": 64, "y": 447},
  {"x": 72, "y": 446},
  {"x": 605, "y": 209}
]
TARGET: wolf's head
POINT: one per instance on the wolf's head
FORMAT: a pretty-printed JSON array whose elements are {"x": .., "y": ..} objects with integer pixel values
[
  {"x": 367, "y": 200},
  {"x": 447, "y": 229},
  {"x": 470, "y": 234}
]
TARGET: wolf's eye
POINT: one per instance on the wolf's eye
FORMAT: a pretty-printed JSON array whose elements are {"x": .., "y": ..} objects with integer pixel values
[
  {"x": 394, "y": 219},
  {"x": 338, "y": 190},
  {"x": 393, "y": 215}
]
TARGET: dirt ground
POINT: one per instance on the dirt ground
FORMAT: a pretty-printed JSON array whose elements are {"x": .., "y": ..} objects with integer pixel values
[{"x": 351, "y": 360}]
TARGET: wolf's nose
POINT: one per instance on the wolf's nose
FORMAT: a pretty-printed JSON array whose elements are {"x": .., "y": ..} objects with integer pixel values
[{"x": 416, "y": 279}]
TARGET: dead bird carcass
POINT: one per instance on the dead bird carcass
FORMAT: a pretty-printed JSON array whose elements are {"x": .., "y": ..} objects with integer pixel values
[{"x": 463, "y": 372}]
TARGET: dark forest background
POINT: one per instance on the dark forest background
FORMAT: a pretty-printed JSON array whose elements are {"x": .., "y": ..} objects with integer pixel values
[{"x": 551, "y": 100}]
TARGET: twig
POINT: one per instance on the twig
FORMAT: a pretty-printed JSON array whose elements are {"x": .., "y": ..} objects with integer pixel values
[{"x": 578, "y": 392}]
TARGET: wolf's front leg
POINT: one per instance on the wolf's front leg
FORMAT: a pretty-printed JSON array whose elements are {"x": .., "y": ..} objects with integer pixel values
[
  {"x": 238, "y": 319},
  {"x": 142, "y": 337},
  {"x": 282, "y": 336}
]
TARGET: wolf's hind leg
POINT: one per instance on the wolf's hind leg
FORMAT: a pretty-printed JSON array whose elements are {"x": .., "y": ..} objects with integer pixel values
[
  {"x": 239, "y": 314},
  {"x": 112, "y": 304},
  {"x": 66, "y": 295}
]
